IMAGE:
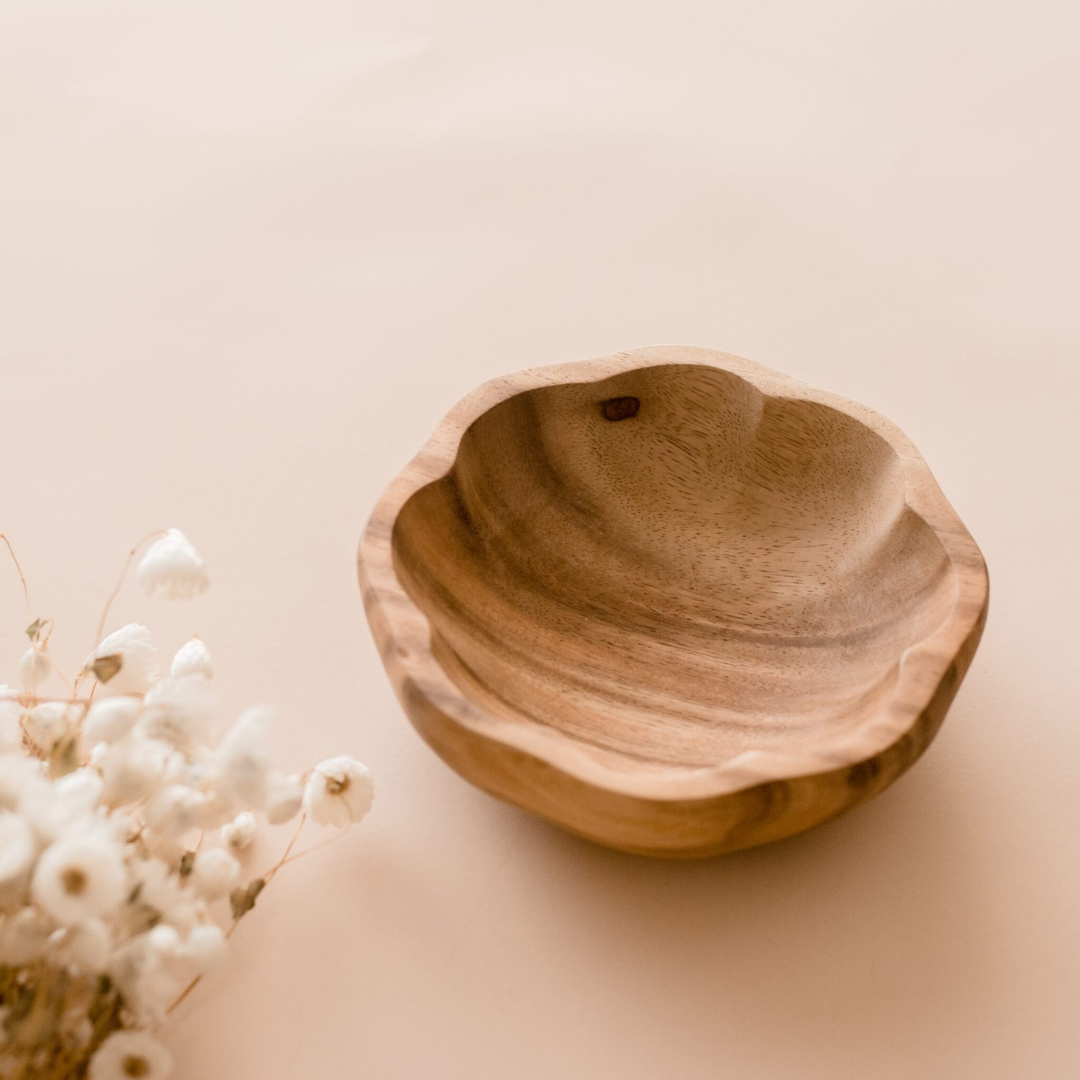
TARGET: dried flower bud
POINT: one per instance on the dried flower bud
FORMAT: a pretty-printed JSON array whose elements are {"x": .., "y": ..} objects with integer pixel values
[
  {"x": 47, "y": 724},
  {"x": 10, "y": 721},
  {"x": 18, "y": 849},
  {"x": 206, "y": 948},
  {"x": 244, "y": 758},
  {"x": 110, "y": 719},
  {"x": 24, "y": 936},
  {"x": 108, "y": 667},
  {"x": 165, "y": 940},
  {"x": 134, "y": 767},
  {"x": 34, "y": 668},
  {"x": 16, "y": 774},
  {"x": 214, "y": 874},
  {"x": 173, "y": 810},
  {"x": 242, "y": 900},
  {"x": 239, "y": 833},
  {"x": 179, "y": 711},
  {"x": 79, "y": 791},
  {"x": 173, "y": 565},
  {"x": 131, "y": 647},
  {"x": 193, "y": 659},
  {"x": 87, "y": 946}
]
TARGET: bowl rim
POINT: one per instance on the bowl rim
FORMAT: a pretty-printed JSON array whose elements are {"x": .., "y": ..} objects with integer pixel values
[{"x": 405, "y": 643}]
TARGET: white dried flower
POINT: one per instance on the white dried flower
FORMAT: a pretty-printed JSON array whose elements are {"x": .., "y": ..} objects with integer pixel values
[
  {"x": 24, "y": 937},
  {"x": 132, "y": 649},
  {"x": 213, "y": 812},
  {"x": 214, "y": 874},
  {"x": 48, "y": 723},
  {"x": 34, "y": 668},
  {"x": 205, "y": 948},
  {"x": 179, "y": 711},
  {"x": 54, "y": 811},
  {"x": 127, "y": 1054},
  {"x": 338, "y": 792},
  {"x": 97, "y": 755},
  {"x": 193, "y": 659},
  {"x": 174, "y": 810},
  {"x": 110, "y": 719},
  {"x": 79, "y": 878},
  {"x": 145, "y": 984},
  {"x": 18, "y": 849},
  {"x": 10, "y": 721},
  {"x": 244, "y": 758},
  {"x": 161, "y": 891},
  {"x": 239, "y": 833},
  {"x": 80, "y": 791},
  {"x": 283, "y": 798},
  {"x": 87, "y": 946},
  {"x": 173, "y": 565},
  {"x": 16, "y": 772},
  {"x": 134, "y": 768},
  {"x": 165, "y": 940}
]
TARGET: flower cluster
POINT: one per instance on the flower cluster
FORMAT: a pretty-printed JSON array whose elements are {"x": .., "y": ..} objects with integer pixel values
[{"x": 126, "y": 816}]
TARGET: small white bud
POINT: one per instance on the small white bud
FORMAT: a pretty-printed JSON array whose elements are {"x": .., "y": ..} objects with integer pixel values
[
  {"x": 165, "y": 940},
  {"x": 214, "y": 874},
  {"x": 244, "y": 758},
  {"x": 87, "y": 946},
  {"x": 10, "y": 721},
  {"x": 173, "y": 811},
  {"x": 47, "y": 724},
  {"x": 110, "y": 719},
  {"x": 239, "y": 833},
  {"x": 131, "y": 648},
  {"x": 206, "y": 948},
  {"x": 18, "y": 849},
  {"x": 34, "y": 668},
  {"x": 193, "y": 659}
]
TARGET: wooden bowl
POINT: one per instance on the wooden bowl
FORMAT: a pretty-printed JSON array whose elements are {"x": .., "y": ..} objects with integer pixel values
[{"x": 671, "y": 600}]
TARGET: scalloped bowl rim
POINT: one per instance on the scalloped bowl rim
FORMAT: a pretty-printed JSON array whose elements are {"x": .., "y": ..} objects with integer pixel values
[{"x": 922, "y": 667}]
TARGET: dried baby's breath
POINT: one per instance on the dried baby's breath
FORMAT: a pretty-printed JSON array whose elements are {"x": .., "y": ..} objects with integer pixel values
[{"x": 123, "y": 823}]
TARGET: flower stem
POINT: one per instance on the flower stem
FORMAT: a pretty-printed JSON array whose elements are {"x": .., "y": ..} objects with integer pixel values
[
  {"x": 22, "y": 577},
  {"x": 120, "y": 582},
  {"x": 267, "y": 877}
]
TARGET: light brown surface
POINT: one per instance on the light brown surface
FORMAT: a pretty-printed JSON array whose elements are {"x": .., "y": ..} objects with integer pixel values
[
  {"x": 672, "y": 600},
  {"x": 251, "y": 254}
]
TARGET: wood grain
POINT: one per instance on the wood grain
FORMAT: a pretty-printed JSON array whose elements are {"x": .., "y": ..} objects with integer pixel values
[{"x": 671, "y": 600}]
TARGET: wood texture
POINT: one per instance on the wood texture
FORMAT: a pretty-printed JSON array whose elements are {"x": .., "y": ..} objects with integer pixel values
[{"x": 671, "y": 600}]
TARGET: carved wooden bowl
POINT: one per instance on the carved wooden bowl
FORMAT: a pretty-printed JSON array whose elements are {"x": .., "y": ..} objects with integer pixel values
[{"x": 671, "y": 600}]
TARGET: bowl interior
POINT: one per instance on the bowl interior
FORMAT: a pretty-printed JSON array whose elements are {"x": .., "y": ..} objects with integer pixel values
[{"x": 671, "y": 567}]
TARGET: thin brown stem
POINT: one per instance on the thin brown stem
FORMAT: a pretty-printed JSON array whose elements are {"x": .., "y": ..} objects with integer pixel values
[
  {"x": 22, "y": 576},
  {"x": 184, "y": 993},
  {"x": 19, "y": 570},
  {"x": 269, "y": 875},
  {"x": 119, "y": 584},
  {"x": 267, "y": 878},
  {"x": 316, "y": 847}
]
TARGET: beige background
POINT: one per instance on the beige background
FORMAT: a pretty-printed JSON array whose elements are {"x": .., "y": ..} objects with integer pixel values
[{"x": 252, "y": 251}]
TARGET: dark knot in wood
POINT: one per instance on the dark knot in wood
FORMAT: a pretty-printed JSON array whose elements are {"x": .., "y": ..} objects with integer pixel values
[{"x": 620, "y": 408}]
